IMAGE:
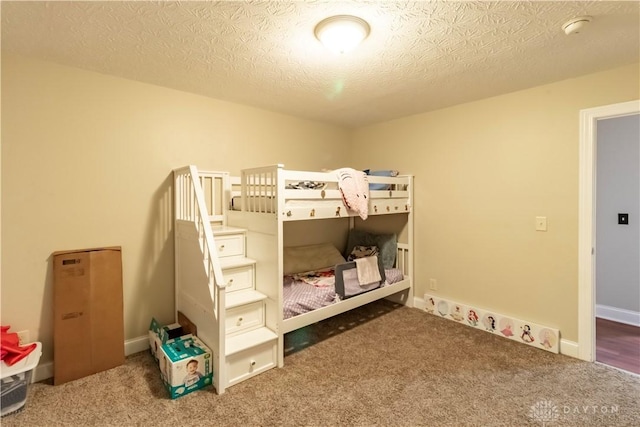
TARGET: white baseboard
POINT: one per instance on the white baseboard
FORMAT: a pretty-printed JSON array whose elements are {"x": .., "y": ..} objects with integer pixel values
[
  {"x": 619, "y": 315},
  {"x": 136, "y": 345},
  {"x": 569, "y": 348},
  {"x": 45, "y": 370},
  {"x": 42, "y": 372},
  {"x": 419, "y": 303}
]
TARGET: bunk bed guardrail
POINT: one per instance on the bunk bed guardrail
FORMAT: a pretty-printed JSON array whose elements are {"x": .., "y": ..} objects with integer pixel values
[
  {"x": 259, "y": 188},
  {"x": 265, "y": 189}
]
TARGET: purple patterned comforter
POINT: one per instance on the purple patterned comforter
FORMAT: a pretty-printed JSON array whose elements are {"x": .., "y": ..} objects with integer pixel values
[{"x": 301, "y": 296}]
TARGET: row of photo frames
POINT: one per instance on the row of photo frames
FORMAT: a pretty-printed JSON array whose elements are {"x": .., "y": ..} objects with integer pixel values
[{"x": 528, "y": 333}]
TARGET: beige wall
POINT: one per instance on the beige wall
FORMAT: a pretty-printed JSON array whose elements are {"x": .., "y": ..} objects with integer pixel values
[
  {"x": 483, "y": 172},
  {"x": 86, "y": 162}
]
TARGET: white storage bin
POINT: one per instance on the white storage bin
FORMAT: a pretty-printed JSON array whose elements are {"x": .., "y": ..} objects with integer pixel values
[{"x": 15, "y": 379}]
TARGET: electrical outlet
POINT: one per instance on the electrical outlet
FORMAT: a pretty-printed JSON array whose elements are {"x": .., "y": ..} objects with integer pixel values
[
  {"x": 541, "y": 223},
  {"x": 23, "y": 337},
  {"x": 433, "y": 284}
]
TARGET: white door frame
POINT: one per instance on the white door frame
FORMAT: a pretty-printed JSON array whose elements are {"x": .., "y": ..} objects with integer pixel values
[{"x": 586, "y": 218}]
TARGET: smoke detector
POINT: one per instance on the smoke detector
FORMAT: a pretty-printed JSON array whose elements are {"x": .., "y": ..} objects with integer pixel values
[{"x": 576, "y": 25}]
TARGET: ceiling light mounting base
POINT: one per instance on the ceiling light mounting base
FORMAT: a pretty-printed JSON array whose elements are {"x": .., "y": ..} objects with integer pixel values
[{"x": 576, "y": 25}]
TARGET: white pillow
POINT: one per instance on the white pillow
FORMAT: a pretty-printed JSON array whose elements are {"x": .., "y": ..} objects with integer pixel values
[{"x": 298, "y": 259}]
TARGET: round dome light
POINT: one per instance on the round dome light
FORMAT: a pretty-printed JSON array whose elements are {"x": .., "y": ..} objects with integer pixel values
[{"x": 342, "y": 33}]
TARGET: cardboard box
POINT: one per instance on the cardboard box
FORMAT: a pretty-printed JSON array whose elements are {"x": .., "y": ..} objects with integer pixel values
[
  {"x": 159, "y": 335},
  {"x": 88, "y": 327},
  {"x": 186, "y": 365}
]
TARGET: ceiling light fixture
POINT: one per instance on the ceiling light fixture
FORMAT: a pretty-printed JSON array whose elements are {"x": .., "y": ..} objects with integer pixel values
[{"x": 342, "y": 33}]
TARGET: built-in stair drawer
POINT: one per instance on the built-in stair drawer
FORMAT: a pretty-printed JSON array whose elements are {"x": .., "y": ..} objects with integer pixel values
[
  {"x": 250, "y": 362},
  {"x": 244, "y": 317},
  {"x": 237, "y": 279},
  {"x": 232, "y": 245}
]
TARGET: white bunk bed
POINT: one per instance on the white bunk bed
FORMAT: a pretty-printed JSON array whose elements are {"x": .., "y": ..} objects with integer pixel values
[{"x": 236, "y": 300}]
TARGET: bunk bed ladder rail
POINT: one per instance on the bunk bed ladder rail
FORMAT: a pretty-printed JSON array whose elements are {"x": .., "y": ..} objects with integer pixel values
[{"x": 191, "y": 206}]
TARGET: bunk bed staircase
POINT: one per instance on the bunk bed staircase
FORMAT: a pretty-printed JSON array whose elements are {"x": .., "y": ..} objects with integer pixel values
[{"x": 215, "y": 280}]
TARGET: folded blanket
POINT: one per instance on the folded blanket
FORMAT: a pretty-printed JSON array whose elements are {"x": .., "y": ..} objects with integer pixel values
[
  {"x": 354, "y": 187},
  {"x": 368, "y": 272}
]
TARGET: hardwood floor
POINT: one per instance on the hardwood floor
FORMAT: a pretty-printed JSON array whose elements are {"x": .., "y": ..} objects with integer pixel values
[{"x": 618, "y": 345}]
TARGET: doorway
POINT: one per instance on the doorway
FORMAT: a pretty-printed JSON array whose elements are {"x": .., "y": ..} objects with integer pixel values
[
  {"x": 587, "y": 217},
  {"x": 617, "y": 257}
]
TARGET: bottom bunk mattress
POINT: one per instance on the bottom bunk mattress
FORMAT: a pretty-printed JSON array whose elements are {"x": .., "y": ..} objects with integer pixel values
[{"x": 305, "y": 292}]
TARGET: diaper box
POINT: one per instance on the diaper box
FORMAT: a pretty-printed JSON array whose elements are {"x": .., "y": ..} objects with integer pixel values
[
  {"x": 185, "y": 364},
  {"x": 160, "y": 334}
]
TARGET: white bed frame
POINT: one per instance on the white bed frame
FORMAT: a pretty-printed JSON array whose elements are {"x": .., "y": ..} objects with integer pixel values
[{"x": 204, "y": 219}]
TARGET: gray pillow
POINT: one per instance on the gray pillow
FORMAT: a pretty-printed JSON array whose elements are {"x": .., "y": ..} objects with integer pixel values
[{"x": 386, "y": 243}]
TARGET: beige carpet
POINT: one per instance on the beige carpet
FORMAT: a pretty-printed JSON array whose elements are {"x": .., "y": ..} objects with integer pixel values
[{"x": 378, "y": 365}]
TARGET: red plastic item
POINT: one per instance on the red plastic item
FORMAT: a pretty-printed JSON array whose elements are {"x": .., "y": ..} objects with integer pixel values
[{"x": 10, "y": 349}]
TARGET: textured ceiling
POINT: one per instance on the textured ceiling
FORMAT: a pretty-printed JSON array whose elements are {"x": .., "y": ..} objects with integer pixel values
[{"x": 420, "y": 56}]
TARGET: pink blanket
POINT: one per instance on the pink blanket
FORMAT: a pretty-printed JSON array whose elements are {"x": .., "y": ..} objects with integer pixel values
[{"x": 354, "y": 187}]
